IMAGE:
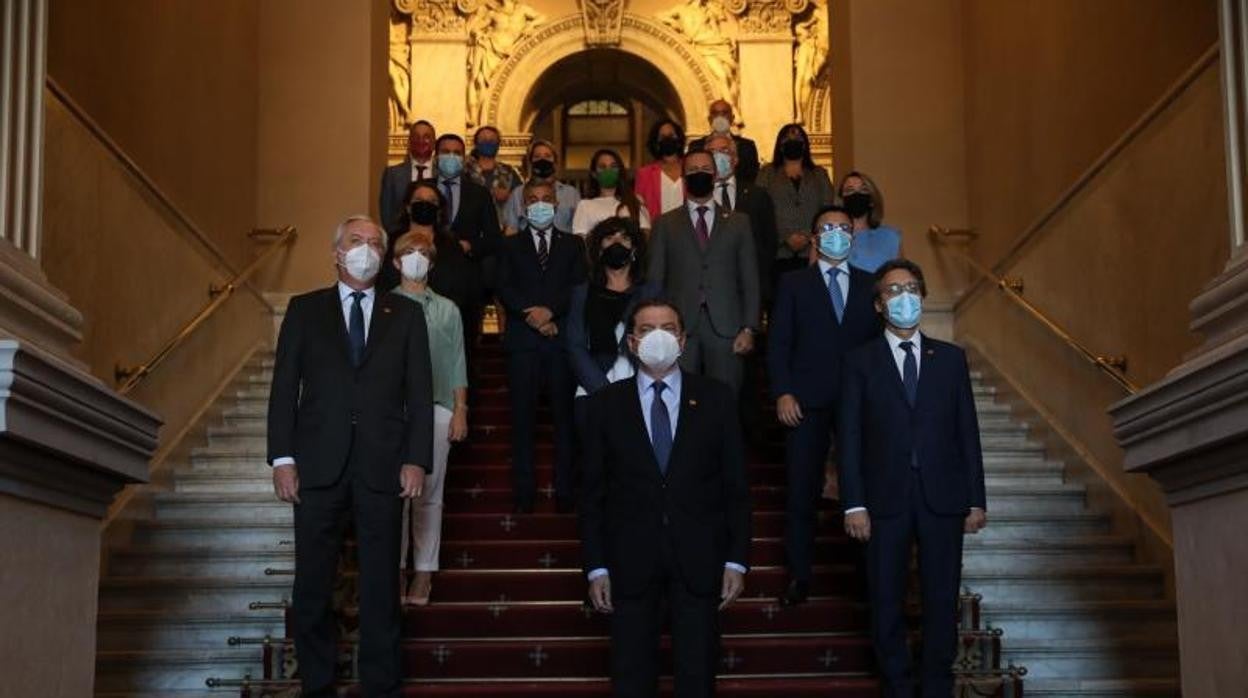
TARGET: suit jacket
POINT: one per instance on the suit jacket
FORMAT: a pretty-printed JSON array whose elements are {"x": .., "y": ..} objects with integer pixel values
[
  {"x": 330, "y": 415},
  {"x": 747, "y": 156},
  {"x": 879, "y": 435},
  {"x": 805, "y": 342},
  {"x": 591, "y": 369},
  {"x": 756, "y": 204},
  {"x": 476, "y": 221},
  {"x": 522, "y": 284},
  {"x": 725, "y": 273},
  {"x": 702, "y": 503},
  {"x": 395, "y": 180}
]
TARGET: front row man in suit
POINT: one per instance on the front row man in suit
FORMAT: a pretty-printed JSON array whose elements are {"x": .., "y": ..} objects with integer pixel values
[
  {"x": 665, "y": 510},
  {"x": 910, "y": 469},
  {"x": 350, "y": 433},
  {"x": 821, "y": 312}
]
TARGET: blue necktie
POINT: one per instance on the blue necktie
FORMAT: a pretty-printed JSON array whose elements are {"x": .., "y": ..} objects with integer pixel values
[
  {"x": 834, "y": 288},
  {"x": 356, "y": 328},
  {"x": 660, "y": 427},
  {"x": 910, "y": 373}
]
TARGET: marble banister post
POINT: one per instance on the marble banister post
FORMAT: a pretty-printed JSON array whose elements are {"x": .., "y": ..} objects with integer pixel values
[
  {"x": 68, "y": 442},
  {"x": 1189, "y": 431}
]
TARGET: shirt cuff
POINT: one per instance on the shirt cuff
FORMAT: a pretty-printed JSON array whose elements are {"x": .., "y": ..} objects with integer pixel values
[
  {"x": 596, "y": 573},
  {"x": 284, "y": 460},
  {"x": 853, "y": 510},
  {"x": 735, "y": 567}
]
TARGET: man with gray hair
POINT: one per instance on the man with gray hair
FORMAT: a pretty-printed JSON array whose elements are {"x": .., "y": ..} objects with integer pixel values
[{"x": 350, "y": 435}]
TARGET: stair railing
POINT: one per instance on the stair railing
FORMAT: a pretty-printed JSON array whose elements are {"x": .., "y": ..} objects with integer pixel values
[
  {"x": 1113, "y": 366},
  {"x": 129, "y": 377}
]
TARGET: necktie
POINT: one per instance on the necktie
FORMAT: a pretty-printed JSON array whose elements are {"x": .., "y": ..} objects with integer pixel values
[
  {"x": 725, "y": 199},
  {"x": 356, "y": 327},
  {"x": 703, "y": 233},
  {"x": 420, "y": 172},
  {"x": 660, "y": 427},
  {"x": 834, "y": 288},
  {"x": 448, "y": 196},
  {"x": 910, "y": 373},
  {"x": 543, "y": 251}
]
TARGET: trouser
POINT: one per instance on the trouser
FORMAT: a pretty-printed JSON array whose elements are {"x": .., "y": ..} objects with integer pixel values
[
  {"x": 710, "y": 354},
  {"x": 939, "y": 540},
  {"x": 527, "y": 373},
  {"x": 320, "y": 522},
  {"x": 636, "y": 626},
  {"x": 422, "y": 518},
  {"x": 806, "y": 452}
]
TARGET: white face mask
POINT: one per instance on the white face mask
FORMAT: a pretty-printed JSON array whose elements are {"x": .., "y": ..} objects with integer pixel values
[
  {"x": 362, "y": 262},
  {"x": 720, "y": 124},
  {"x": 658, "y": 350},
  {"x": 415, "y": 266}
]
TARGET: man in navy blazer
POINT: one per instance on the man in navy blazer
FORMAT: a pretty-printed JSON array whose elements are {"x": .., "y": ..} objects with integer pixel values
[
  {"x": 910, "y": 469},
  {"x": 821, "y": 312},
  {"x": 538, "y": 268}
]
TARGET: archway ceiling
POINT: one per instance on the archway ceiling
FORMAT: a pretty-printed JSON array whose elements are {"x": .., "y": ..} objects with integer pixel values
[{"x": 600, "y": 74}]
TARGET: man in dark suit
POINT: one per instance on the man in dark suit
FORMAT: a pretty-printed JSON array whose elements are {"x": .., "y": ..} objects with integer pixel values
[
  {"x": 910, "y": 468},
  {"x": 721, "y": 119},
  {"x": 665, "y": 510},
  {"x": 395, "y": 179},
  {"x": 733, "y": 193},
  {"x": 704, "y": 258},
  {"x": 538, "y": 268},
  {"x": 821, "y": 312},
  {"x": 350, "y": 433}
]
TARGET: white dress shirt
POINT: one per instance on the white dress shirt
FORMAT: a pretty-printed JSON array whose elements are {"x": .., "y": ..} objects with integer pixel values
[
  {"x": 671, "y": 398},
  {"x": 671, "y": 192},
  {"x": 842, "y": 279},
  {"x": 422, "y": 168},
  {"x": 692, "y": 207},
  {"x": 732, "y": 191},
  {"x": 549, "y": 233},
  {"x": 345, "y": 302}
]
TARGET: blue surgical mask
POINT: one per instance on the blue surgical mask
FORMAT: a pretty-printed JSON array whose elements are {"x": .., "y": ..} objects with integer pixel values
[
  {"x": 487, "y": 148},
  {"x": 540, "y": 214},
  {"x": 450, "y": 165},
  {"x": 723, "y": 165},
  {"x": 905, "y": 310},
  {"x": 835, "y": 241}
]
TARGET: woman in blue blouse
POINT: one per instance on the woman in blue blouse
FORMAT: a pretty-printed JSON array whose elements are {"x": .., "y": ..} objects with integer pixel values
[{"x": 874, "y": 242}]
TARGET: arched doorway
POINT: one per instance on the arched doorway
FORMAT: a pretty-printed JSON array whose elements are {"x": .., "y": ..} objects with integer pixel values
[{"x": 599, "y": 98}]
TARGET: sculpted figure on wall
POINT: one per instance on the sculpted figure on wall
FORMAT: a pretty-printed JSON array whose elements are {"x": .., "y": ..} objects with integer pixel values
[
  {"x": 712, "y": 31},
  {"x": 810, "y": 59},
  {"x": 400, "y": 77},
  {"x": 603, "y": 20},
  {"x": 493, "y": 30}
]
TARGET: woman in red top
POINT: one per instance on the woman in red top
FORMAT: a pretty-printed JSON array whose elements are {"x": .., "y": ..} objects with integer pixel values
[{"x": 660, "y": 184}]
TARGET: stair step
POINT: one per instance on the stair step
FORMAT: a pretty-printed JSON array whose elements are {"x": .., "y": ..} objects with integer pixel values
[
  {"x": 173, "y": 669},
  {"x": 1138, "y": 657},
  {"x": 1071, "y": 582},
  {"x": 1040, "y": 554},
  {"x": 174, "y": 629},
  {"x": 1103, "y": 688},
  {"x": 1104, "y": 620}
]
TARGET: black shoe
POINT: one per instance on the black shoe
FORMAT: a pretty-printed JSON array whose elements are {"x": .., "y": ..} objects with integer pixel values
[
  {"x": 795, "y": 594},
  {"x": 522, "y": 507},
  {"x": 565, "y": 505}
]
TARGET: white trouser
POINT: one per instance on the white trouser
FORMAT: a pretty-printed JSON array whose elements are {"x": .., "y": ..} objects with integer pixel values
[{"x": 422, "y": 517}]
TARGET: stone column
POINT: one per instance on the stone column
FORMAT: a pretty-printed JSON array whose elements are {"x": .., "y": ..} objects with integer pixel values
[
  {"x": 68, "y": 443},
  {"x": 1189, "y": 431},
  {"x": 765, "y": 64},
  {"x": 440, "y": 83}
]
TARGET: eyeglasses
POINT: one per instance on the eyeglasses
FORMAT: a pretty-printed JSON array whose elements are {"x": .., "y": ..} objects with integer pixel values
[
  {"x": 891, "y": 290},
  {"x": 833, "y": 227}
]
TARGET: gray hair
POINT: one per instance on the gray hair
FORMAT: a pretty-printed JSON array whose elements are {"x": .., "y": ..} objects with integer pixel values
[
  {"x": 732, "y": 142},
  {"x": 341, "y": 230}
]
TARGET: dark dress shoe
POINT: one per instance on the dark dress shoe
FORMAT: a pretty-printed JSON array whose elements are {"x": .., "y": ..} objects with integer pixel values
[{"x": 795, "y": 594}]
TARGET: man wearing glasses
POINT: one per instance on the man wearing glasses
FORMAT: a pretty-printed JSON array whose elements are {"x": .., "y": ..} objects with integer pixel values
[{"x": 910, "y": 469}]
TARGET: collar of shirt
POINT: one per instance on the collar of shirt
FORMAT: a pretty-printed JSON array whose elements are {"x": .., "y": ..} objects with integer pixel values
[
  {"x": 345, "y": 291},
  {"x": 672, "y": 380},
  {"x": 427, "y": 164},
  {"x": 899, "y": 355},
  {"x": 692, "y": 207},
  {"x": 731, "y": 182},
  {"x": 453, "y": 181},
  {"x": 825, "y": 265}
]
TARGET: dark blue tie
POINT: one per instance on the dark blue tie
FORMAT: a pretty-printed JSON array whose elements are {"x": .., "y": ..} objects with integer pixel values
[
  {"x": 356, "y": 328},
  {"x": 910, "y": 373},
  {"x": 838, "y": 298},
  {"x": 660, "y": 427}
]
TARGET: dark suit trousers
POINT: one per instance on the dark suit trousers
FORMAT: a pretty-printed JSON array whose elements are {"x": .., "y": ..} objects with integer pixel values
[
  {"x": 636, "y": 628},
  {"x": 940, "y": 570},
  {"x": 708, "y": 351},
  {"x": 806, "y": 451},
  {"x": 320, "y": 521},
  {"x": 528, "y": 372}
]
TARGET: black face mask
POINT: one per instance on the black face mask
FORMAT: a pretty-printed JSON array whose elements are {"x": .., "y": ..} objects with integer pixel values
[
  {"x": 670, "y": 146},
  {"x": 543, "y": 169},
  {"x": 858, "y": 204},
  {"x": 699, "y": 185},
  {"x": 423, "y": 212},
  {"x": 793, "y": 149},
  {"x": 617, "y": 256}
]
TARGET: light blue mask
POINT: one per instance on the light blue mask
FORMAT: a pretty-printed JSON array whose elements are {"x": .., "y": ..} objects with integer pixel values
[
  {"x": 450, "y": 165},
  {"x": 905, "y": 310},
  {"x": 540, "y": 214},
  {"x": 835, "y": 241},
  {"x": 723, "y": 165}
]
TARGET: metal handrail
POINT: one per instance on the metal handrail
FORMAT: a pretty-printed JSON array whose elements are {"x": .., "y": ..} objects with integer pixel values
[
  {"x": 1112, "y": 366},
  {"x": 128, "y": 378}
]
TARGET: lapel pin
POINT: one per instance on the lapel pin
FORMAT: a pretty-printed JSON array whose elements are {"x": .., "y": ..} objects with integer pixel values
[
  {"x": 930, "y": 352},
  {"x": 385, "y": 309},
  {"x": 693, "y": 403}
]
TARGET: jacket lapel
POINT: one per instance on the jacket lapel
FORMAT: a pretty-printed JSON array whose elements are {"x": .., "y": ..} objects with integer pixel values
[
  {"x": 383, "y": 315},
  {"x": 888, "y": 364},
  {"x": 637, "y": 424},
  {"x": 687, "y": 411},
  {"x": 929, "y": 364},
  {"x": 819, "y": 282},
  {"x": 338, "y": 322}
]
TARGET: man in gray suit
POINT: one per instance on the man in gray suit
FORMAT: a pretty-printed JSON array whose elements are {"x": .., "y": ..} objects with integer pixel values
[{"x": 704, "y": 258}]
